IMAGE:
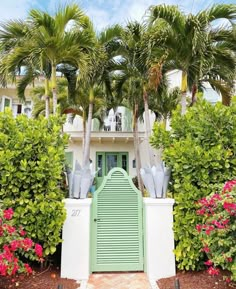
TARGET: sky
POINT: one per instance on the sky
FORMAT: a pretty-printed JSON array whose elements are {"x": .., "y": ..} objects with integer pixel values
[{"x": 102, "y": 12}]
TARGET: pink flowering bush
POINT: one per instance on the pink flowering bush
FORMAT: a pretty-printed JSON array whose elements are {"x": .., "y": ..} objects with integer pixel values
[
  {"x": 15, "y": 246},
  {"x": 218, "y": 232}
]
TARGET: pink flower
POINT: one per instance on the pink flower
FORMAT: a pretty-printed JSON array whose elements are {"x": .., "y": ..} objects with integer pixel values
[
  {"x": 7, "y": 214},
  {"x": 229, "y": 186},
  {"x": 28, "y": 268},
  {"x": 201, "y": 212},
  {"x": 3, "y": 269},
  {"x": 213, "y": 271},
  {"x": 209, "y": 229},
  {"x": 208, "y": 263},
  {"x": 27, "y": 244},
  {"x": 22, "y": 233},
  {"x": 10, "y": 229},
  {"x": 199, "y": 228},
  {"x": 206, "y": 249},
  {"x": 38, "y": 250},
  {"x": 15, "y": 244}
]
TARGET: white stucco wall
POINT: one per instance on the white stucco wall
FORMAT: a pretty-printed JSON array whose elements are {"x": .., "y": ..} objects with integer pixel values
[
  {"x": 76, "y": 239},
  {"x": 174, "y": 78},
  {"x": 159, "y": 238},
  {"x": 159, "y": 261},
  {"x": 109, "y": 146}
]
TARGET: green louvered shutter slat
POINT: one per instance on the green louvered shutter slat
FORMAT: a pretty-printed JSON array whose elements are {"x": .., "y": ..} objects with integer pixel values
[{"x": 117, "y": 244}]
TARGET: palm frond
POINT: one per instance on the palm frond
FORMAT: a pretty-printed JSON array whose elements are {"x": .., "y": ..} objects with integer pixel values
[
  {"x": 170, "y": 14},
  {"x": 24, "y": 81}
]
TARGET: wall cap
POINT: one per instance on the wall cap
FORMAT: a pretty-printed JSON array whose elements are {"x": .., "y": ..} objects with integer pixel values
[
  {"x": 78, "y": 202},
  {"x": 158, "y": 202}
]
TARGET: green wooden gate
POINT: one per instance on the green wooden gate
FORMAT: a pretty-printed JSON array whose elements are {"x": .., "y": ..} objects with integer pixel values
[{"x": 117, "y": 227}]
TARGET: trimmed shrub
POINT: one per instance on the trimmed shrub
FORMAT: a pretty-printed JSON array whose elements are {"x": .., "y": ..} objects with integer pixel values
[
  {"x": 200, "y": 149},
  {"x": 31, "y": 163}
]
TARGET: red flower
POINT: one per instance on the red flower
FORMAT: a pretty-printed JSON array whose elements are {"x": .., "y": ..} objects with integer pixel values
[
  {"x": 199, "y": 228},
  {"x": 7, "y": 214},
  {"x": 10, "y": 229},
  {"x": 22, "y": 233},
  {"x": 3, "y": 269},
  {"x": 229, "y": 186},
  {"x": 206, "y": 249},
  {"x": 15, "y": 244},
  {"x": 208, "y": 263},
  {"x": 213, "y": 271},
  {"x": 28, "y": 268},
  {"x": 27, "y": 244},
  {"x": 38, "y": 250}
]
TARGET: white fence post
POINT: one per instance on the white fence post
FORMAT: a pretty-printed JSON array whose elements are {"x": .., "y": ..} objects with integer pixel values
[
  {"x": 159, "y": 238},
  {"x": 76, "y": 239}
]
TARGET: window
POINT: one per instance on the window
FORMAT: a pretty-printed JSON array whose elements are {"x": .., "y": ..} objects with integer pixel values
[
  {"x": 118, "y": 121},
  {"x": 19, "y": 108},
  {"x": 134, "y": 163},
  {"x": 6, "y": 102},
  {"x": 99, "y": 166},
  {"x": 124, "y": 162}
]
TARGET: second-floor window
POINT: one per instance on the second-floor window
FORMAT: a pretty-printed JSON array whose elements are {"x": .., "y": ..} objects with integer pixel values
[
  {"x": 6, "y": 102},
  {"x": 118, "y": 118}
]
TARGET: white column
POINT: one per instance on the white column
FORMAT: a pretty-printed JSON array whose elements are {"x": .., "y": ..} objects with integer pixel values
[
  {"x": 76, "y": 239},
  {"x": 159, "y": 238}
]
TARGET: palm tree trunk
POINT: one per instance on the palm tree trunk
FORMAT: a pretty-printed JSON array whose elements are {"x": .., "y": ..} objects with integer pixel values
[
  {"x": 54, "y": 88},
  {"x": 47, "y": 99},
  {"x": 84, "y": 128},
  {"x": 194, "y": 92},
  {"x": 88, "y": 129},
  {"x": 225, "y": 99},
  {"x": 184, "y": 93},
  {"x": 165, "y": 122},
  {"x": 136, "y": 147},
  {"x": 148, "y": 127}
]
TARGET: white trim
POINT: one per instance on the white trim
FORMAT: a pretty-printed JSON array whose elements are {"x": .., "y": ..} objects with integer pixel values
[
  {"x": 159, "y": 202},
  {"x": 3, "y": 102},
  {"x": 83, "y": 283},
  {"x": 153, "y": 284},
  {"x": 76, "y": 202}
]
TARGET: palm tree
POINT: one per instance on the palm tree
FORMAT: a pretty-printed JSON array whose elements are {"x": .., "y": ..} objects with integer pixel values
[
  {"x": 96, "y": 77},
  {"x": 47, "y": 42},
  {"x": 75, "y": 106},
  {"x": 195, "y": 47},
  {"x": 142, "y": 66},
  {"x": 128, "y": 87},
  {"x": 165, "y": 102}
]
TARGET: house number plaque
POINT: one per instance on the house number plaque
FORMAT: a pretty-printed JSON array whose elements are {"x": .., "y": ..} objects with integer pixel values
[{"x": 75, "y": 213}]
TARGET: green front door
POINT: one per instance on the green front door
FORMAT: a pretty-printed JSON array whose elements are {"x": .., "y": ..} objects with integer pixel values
[
  {"x": 105, "y": 161},
  {"x": 117, "y": 227}
]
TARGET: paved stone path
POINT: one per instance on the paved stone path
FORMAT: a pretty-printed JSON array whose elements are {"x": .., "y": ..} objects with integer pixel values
[{"x": 118, "y": 281}]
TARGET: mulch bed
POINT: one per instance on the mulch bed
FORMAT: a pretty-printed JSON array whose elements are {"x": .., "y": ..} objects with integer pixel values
[
  {"x": 42, "y": 279},
  {"x": 196, "y": 280}
]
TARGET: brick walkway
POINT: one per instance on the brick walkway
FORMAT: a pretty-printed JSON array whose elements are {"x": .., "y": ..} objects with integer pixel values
[{"x": 118, "y": 281}]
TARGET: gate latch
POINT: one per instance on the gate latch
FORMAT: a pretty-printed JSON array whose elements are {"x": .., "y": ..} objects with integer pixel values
[{"x": 95, "y": 220}]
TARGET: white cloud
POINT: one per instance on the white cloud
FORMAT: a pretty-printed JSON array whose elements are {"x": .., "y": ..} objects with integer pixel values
[
  {"x": 100, "y": 17},
  {"x": 15, "y": 9},
  {"x": 102, "y": 12}
]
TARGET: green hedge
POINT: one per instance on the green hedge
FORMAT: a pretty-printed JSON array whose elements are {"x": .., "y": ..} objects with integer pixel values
[
  {"x": 31, "y": 163},
  {"x": 201, "y": 150}
]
